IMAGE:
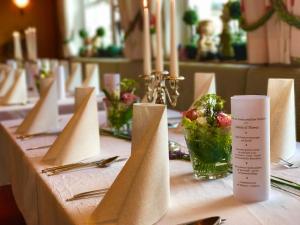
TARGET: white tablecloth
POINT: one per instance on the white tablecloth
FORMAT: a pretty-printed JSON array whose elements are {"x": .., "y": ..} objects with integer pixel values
[
  {"x": 41, "y": 199},
  {"x": 10, "y": 112}
]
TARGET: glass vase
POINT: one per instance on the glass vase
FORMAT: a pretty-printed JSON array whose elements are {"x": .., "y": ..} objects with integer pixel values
[
  {"x": 210, "y": 152},
  {"x": 119, "y": 117}
]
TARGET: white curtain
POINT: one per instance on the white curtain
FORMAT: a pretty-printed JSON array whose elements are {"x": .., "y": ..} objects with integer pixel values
[
  {"x": 134, "y": 41},
  {"x": 71, "y": 20},
  {"x": 276, "y": 41}
]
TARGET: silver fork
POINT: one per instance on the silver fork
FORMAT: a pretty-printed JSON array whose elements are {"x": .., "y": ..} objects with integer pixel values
[
  {"x": 88, "y": 194},
  {"x": 288, "y": 164}
]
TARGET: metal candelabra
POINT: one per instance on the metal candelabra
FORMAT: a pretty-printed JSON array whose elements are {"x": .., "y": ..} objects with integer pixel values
[{"x": 162, "y": 88}]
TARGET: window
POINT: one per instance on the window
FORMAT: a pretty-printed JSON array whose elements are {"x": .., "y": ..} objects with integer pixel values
[
  {"x": 98, "y": 13},
  {"x": 209, "y": 10}
]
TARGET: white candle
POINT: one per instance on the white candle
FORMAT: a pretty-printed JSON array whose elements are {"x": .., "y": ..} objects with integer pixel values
[
  {"x": 28, "y": 44},
  {"x": 251, "y": 147},
  {"x": 147, "y": 48},
  {"x": 34, "y": 44},
  {"x": 159, "y": 47},
  {"x": 174, "y": 53},
  {"x": 17, "y": 46}
]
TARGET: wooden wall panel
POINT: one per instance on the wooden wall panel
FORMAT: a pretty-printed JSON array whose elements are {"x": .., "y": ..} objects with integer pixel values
[{"x": 41, "y": 14}]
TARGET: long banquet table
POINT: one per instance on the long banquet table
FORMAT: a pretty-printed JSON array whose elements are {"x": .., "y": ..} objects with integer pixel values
[
  {"x": 10, "y": 112},
  {"x": 42, "y": 199}
]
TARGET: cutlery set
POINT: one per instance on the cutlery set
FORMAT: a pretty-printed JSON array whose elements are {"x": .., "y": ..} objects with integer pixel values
[
  {"x": 215, "y": 220},
  {"x": 29, "y": 136},
  {"x": 100, "y": 164},
  {"x": 277, "y": 182},
  {"x": 288, "y": 164},
  {"x": 88, "y": 194}
]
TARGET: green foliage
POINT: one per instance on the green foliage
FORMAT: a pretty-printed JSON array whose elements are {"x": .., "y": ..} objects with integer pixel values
[
  {"x": 239, "y": 37},
  {"x": 100, "y": 32},
  {"x": 258, "y": 23},
  {"x": 118, "y": 112},
  {"x": 209, "y": 144},
  {"x": 113, "y": 51},
  {"x": 190, "y": 17},
  {"x": 83, "y": 33},
  {"x": 128, "y": 85},
  {"x": 284, "y": 14},
  {"x": 119, "y": 115},
  {"x": 212, "y": 105},
  {"x": 235, "y": 10}
]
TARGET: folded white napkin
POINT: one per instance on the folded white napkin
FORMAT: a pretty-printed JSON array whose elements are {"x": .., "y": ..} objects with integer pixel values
[
  {"x": 92, "y": 75},
  {"x": 32, "y": 69},
  {"x": 59, "y": 74},
  {"x": 13, "y": 63},
  {"x": 45, "y": 83},
  {"x": 54, "y": 63},
  {"x": 80, "y": 95},
  {"x": 7, "y": 80},
  {"x": 283, "y": 130},
  {"x": 65, "y": 64},
  {"x": 44, "y": 115},
  {"x": 140, "y": 195},
  {"x": 17, "y": 93},
  {"x": 80, "y": 138},
  {"x": 75, "y": 78},
  {"x": 204, "y": 83}
]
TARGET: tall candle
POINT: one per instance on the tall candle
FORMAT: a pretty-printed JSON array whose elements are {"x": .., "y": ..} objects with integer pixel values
[
  {"x": 28, "y": 44},
  {"x": 17, "y": 45},
  {"x": 147, "y": 48},
  {"x": 34, "y": 44},
  {"x": 174, "y": 53},
  {"x": 159, "y": 47},
  {"x": 251, "y": 147}
]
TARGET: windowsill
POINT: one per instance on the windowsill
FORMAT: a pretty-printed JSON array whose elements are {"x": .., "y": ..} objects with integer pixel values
[{"x": 183, "y": 62}]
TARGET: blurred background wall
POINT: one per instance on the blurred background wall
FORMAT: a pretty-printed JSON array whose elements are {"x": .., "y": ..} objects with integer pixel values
[{"x": 42, "y": 15}]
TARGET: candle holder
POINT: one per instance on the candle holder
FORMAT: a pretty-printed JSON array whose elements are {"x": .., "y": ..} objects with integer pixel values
[{"x": 162, "y": 88}]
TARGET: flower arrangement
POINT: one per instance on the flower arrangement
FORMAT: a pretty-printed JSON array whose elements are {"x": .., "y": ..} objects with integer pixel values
[
  {"x": 119, "y": 106},
  {"x": 43, "y": 73},
  {"x": 207, "y": 134}
]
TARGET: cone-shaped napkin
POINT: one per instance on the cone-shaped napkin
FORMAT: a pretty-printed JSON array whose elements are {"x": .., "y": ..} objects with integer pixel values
[
  {"x": 45, "y": 83},
  {"x": 60, "y": 80},
  {"x": 80, "y": 138},
  {"x": 17, "y": 94},
  {"x": 204, "y": 83},
  {"x": 7, "y": 81},
  {"x": 80, "y": 94},
  {"x": 140, "y": 194},
  {"x": 92, "y": 77},
  {"x": 283, "y": 132},
  {"x": 75, "y": 79},
  {"x": 44, "y": 115}
]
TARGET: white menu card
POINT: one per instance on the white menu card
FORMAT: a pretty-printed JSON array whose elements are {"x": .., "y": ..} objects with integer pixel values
[{"x": 251, "y": 147}]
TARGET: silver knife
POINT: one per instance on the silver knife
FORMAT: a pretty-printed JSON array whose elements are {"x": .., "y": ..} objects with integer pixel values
[{"x": 215, "y": 220}]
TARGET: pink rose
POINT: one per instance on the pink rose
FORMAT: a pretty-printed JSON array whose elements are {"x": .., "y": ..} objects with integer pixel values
[
  {"x": 191, "y": 114},
  {"x": 224, "y": 120},
  {"x": 128, "y": 98}
]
